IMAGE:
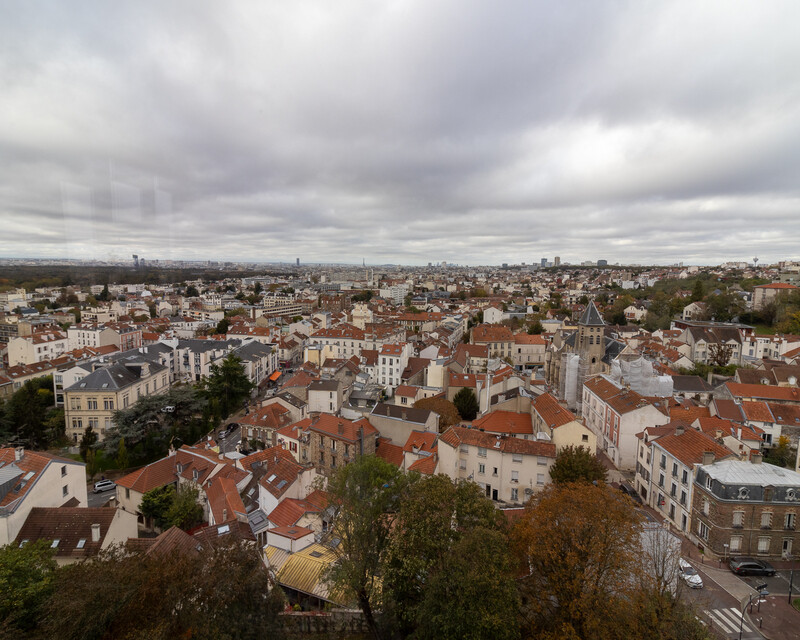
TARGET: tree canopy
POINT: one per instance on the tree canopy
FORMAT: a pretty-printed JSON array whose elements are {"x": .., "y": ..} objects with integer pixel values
[
  {"x": 228, "y": 384},
  {"x": 448, "y": 414},
  {"x": 577, "y": 464},
  {"x": 466, "y": 403}
]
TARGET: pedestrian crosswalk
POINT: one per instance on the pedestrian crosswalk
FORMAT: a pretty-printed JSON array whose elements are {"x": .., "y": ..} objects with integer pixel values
[{"x": 728, "y": 620}]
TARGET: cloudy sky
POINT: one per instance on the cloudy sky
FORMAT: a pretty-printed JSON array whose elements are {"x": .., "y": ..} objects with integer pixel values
[{"x": 395, "y": 131}]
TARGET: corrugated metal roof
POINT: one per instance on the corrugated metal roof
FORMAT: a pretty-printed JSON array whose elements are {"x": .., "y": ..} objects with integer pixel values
[
  {"x": 302, "y": 570},
  {"x": 740, "y": 472}
]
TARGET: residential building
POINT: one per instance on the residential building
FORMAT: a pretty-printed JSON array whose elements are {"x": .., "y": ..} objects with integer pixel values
[
  {"x": 765, "y": 294},
  {"x": 46, "y": 345},
  {"x": 92, "y": 401},
  {"x": 509, "y": 470},
  {"x": 31, "y": 479},
  {"x": 746, "y": 508},
  {"x": 335, "y": 442}
]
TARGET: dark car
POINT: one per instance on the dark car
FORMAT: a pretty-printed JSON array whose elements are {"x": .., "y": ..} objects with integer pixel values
[
  {"x": 630, "y": 491},
  {"x": 751, "y": 567}
]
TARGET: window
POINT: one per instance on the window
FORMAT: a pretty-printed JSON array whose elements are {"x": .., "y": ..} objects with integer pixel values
[
  {"x": 763, "y": 544},
  {"x": 514, "y": 495},
  {"x": 91, "y": 404},
  {"x": 736, "y": 543},
  {"x": 127, "y": 493},
  {"x": 541, "y": 461},
  {"x": 738, "y": 519},
  {"x": 481, "y": 452},
  {"x": 481, "y": 469},
  {"x": 584, "y": 438},
  {"x": 65, "y": 490},
  {"x": 463, "y": 463},
  {"x": 464, "y": 448},
  {"x": 661, "y": 480},
  {"x": 708, "y": 482},
  {"x": 673, "y": 490},
  {"x": 702, "y": 530},
  {"x": 671, "y": 511},
  {"x": 494, "y": 473},
  {"x": 789, "y": 521},
  {"x": 674, "y": 469},
  {"x": 683, "y": 498},
  {"x": 685, "y": 476},
  {"x": 706, "y": 506},
  {"x": 766, "y": 520},
  {"x": 333, "y": 461},
  {"x": 683, "y": 522},
  {"x": 322, "y": 457},
  {"x": 515, "y": 476},
  {"x": 516, "y": 457},
  {"x": 333, "y": 445},
  {"x": 63, "y": 470},
  {"x": 540, "y": 479}
]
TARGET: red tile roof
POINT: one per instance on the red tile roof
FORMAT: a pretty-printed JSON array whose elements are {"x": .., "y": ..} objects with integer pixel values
[
  {"x": 224, "y": 500},
  {"x": 553, "y": 414},
  {"x": 422, "y": 440},
  {"x": 342, "y": 428},
  {"x": 505, "y": 422},
  {"x": 391, "y": 453},
  {"x": 689, "y": 446},
  {"x": 455, "y": 436},
  {"x": 426, "y": 465}
]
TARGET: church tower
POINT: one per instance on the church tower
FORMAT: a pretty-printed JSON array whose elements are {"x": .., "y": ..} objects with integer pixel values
[{"x": 591, "y": 340}]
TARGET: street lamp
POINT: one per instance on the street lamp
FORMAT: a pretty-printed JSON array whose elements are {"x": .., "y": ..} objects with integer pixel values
[{"x": 762, "y": 592}]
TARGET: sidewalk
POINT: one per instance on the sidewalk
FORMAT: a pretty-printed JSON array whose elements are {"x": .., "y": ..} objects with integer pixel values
[{"x": 778, "y": 619}]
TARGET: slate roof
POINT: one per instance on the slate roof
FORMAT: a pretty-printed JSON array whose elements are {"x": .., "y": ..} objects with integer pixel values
[
  {"x": 71, "y": 526},
  {"x": 591, "y": 316},
  {"x": 407, "y": 414}
]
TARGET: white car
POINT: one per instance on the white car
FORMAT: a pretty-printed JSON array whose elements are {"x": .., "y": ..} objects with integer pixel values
[
  {"x": 103, "y": 485},
  {"x": 690, "y": 575}
]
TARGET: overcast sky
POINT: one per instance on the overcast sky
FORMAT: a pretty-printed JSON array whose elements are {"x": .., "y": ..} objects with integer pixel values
[{"x": 408, "y": 132}]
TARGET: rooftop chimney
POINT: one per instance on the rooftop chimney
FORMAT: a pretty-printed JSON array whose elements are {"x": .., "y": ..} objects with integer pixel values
[
  {"x": 708, "y": 457},
  {"x": 341, "y": 428},
  {"x": 19, "y": 453},
  {"x": 756, "y": 457},
  {"x": 224, "y": 515},
  {"x": 95, "y": 533},
  {"x": 679, "y": 430}
]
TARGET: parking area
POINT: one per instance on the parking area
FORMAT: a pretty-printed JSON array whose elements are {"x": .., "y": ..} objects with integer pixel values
[{"x": 777, "y": 584}]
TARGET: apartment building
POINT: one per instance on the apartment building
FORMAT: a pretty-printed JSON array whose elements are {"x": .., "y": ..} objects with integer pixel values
[
  {"x": 46, "y": 345},
  {"x": 392, "y": 361},
  {"x": 92, "y": 401}
]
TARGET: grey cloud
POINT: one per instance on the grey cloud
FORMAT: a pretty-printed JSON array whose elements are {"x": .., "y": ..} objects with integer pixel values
[{"x": 401, "y": 132}]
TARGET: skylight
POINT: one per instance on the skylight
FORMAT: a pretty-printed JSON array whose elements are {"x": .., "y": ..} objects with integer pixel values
[
  {"x": 81, "y": 543},
  {"x": 272, "y": 477},
  {"x": 55, "y": 543},
  {"x": 225, "y": 528}
]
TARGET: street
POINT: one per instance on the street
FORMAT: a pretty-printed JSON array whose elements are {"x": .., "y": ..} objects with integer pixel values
[
  {"x": 718, "y": 608},
  {"x": 99, "y": 499},
  {"x": 229, "y": 443}
]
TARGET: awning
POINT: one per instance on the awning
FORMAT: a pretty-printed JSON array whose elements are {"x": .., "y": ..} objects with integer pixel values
[{"x": 275, "y": 375}]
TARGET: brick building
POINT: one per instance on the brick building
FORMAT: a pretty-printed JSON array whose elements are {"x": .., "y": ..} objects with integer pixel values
[{"x": 746, "y": 508}]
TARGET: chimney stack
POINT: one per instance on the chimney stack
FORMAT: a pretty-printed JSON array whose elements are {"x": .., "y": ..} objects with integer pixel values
[
  {"x": 19, "y": 453},
  {"x": 756, "y": 457},
  {"x": 95, "y": 533},
  {"x": 341, "y": 428},
  {"x": 708, "y": 457},
  {"x": 679, "y": 430},
  {"x": 224, "y": 515}
]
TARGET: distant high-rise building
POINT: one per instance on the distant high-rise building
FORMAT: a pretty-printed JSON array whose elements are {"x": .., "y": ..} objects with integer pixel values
[
  {"x": 298, "y": 262},
  {"x": 544, "y": 262},
  {"x": 556, "y": 261},
  {"x": 505, "y": 265},
  {"x": 135, "y": 261},
  {"x": 602, "y": 263}
]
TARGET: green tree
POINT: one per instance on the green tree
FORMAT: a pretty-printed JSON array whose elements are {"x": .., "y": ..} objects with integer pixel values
[
  {"x": 88, "y": 441},
  {"x": 26, "y": 575},
  {"x": 577, "y": 464},
  {"x": 27, "y": 412},
  {"x": 212, "y": 589},
  {"x": 185, "y": 511},
  {"x": 466, "y": 403},
  {"x": 363, "y": 493},
  {"x": 191, "y": 292},
  {"x": 122, "y": 455},
  {"x": 697, "y": 291},
  {"x": 104, "y": 294},
  {"x": 781, "y": 454},
  {"x": 223, "y": 326},
  {"x": 156, "y": 505},
  {"x": 535, "y": 328},
  {"x": 432, "y": 517},
  {"x": 473, "y": 595},
  {"x": 229, "y": 384}
]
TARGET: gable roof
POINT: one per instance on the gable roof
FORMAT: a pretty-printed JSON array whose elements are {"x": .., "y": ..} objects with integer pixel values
[
  {"x": 689, "y": 446},
  {"x": 455, "y": 436},
  {"x": 156, "y": 474},
  {"x": 71, "y": 526},
  {"x": 552, "y": 413},
  {"x": 502, "y": 421},
  {"x": 391, "y": 453}
]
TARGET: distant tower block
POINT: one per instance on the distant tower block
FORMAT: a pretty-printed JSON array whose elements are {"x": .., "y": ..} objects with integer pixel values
[
  {"x": 298, "y": 262},
  {"x": 556, "y": 261}
]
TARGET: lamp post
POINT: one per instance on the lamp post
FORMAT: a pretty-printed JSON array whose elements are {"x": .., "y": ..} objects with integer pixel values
[{"x": 762, "y": 592}]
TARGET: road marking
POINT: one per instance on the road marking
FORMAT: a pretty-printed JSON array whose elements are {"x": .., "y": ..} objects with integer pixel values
[{"x": 729, "y": 620}]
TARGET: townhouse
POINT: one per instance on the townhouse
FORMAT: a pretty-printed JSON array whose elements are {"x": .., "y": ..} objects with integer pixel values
[
  {"x": 616, "y": 414},
  {"x": 393, "y": 360},
  {"x": 44, "y": 345},
  {"x": 665, "y": 468},
  {"x": 497, "y": 338}
]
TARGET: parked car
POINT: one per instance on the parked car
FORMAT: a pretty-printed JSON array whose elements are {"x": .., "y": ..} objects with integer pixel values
[
  {"x": 103, "y": 485},
  {"x": 690, "y": 575},
  {"x": 751, "y": 567},
  {"x": 630, "y": 491}
]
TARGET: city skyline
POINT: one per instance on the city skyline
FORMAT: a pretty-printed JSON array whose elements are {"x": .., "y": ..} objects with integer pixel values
[{"x": 401, "y": 134}]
